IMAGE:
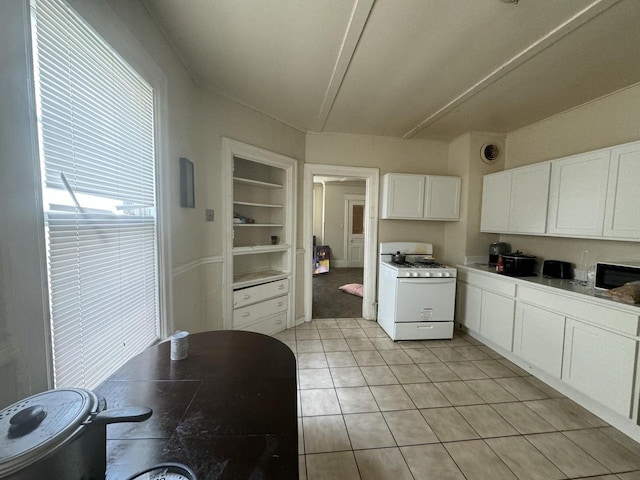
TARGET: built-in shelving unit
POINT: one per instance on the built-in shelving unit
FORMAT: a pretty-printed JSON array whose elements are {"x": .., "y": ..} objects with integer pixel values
[{"x": 260, "y": 238}]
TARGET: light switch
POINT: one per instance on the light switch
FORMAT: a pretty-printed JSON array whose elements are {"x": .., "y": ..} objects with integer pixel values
[{"x": 209, "y": 213}]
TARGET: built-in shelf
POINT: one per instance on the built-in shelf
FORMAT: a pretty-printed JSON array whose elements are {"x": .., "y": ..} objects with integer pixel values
[
  {"x": 250, "y": 204},
  {"x": 256, "y": 183},
  {"x": 241, "y": 280},
  {"x": 248, "y": 250},
  {"x": 258, "y": 225}
]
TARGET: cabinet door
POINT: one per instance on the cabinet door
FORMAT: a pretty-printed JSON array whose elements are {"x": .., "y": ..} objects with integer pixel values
[
  {"x": 600, "y": 364},
  {"x": 578, "y": 194},
  {"x": 539, "y": 338},
  {"x": 442, "y": 198},
  {"x": 529, "y": 198},
  {"x": 622, "y": 219},
  {"x": 468, "y": 305},
  {"x": 496, "y": 319},
  {"x": 496, "y": 198},
  {"x": 402, "y": 196}
]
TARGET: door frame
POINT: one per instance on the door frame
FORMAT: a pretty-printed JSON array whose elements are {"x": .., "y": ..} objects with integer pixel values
[
  {"x": 347, "y": 198},
  {"x": 371, "y": 176}
]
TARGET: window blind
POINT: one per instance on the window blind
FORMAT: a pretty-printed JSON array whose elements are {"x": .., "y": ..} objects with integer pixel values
[{"x": 96, "y": 126}]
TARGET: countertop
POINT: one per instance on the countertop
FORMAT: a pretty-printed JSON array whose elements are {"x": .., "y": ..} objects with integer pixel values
[
  {"x": 228, "y": 410},
  {"x": 565, "y": 286}
]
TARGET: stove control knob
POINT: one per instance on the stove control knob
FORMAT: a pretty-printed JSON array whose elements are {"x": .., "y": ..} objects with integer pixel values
[
  {"x": 439, "y": 274},
  {"x": 414, "y": 274},
  {"x": 427, "y": 274},
  {"x": 447, "y": 274}
]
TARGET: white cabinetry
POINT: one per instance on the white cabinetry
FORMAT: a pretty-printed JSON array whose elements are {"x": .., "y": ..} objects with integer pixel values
[
  {"x": 529, "y": 197},
  {"x": 259, "y": 215},
  {"x": 578, "y": 194},
  {"x": 515, "y": 201},
  {"x": 402, "y": 196},
  {"x": 539, "y": 338},
  {"x": 496, "y": 319},
  {"x": 420, "y": 197},
  {"x": 442, "y": 198},
  {"x": 600, "y": 364},
  {"x": 590, "y": 195},
  {"x": 496, "y": 201},
  {"x": 468, "y": 305},
  {"x": 622, "y": 219},
  {"x": 486, "y": 306}
]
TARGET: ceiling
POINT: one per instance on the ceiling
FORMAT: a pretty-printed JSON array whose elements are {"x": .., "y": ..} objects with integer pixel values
[{"x": 430, "y": 69}]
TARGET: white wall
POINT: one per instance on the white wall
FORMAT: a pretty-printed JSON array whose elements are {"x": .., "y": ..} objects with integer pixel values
[
  {"x": 318, "y": 207},
  {"x": 607, "y": 121},
  {"x": 334, "y": 226},
  {"x": 216, "y": 117},
  {"x": 195, "y": 120},
  {"x": 23, "y": 331},
  {"x": 389, "y": 155}
]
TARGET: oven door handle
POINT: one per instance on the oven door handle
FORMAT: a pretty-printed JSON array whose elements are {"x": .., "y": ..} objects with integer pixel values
[{"x": 430, "y": 280}]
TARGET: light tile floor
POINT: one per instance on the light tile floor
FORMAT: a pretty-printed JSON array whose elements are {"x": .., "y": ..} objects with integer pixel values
[{"x": 373, "y": 409}]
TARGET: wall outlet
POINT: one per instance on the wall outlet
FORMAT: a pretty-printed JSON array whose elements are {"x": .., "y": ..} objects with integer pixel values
[{"x": 209, "y": 214}]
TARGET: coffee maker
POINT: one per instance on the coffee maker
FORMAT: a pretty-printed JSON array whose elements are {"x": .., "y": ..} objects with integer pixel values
[{"x": 496, "y": 249}]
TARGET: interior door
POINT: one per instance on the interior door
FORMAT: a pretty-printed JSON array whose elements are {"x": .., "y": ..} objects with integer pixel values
[{"x": 354, "y": 247}]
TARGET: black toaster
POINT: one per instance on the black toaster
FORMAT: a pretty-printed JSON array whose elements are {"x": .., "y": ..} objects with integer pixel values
[{"x": 556, "y": 269}]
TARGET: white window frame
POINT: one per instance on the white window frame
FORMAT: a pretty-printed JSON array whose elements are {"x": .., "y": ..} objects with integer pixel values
[{"x": 109, "y": 26}]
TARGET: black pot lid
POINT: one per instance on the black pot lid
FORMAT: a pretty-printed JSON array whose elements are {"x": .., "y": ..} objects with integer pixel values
[{"x": 33, "y": 427}]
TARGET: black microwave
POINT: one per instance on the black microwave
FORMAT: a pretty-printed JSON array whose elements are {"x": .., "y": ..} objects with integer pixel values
[{"x": 613, "y": 275}]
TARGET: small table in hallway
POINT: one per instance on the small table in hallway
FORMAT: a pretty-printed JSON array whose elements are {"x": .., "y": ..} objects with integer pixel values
[{"x": 228, "y": 410}]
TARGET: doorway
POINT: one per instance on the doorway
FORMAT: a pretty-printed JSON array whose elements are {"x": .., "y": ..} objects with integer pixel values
[
  {"x": 368, "y": 210},
  {"x": 354, "y": 230}
]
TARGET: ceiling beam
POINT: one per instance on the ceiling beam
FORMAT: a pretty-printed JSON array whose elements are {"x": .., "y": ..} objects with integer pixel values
[
  {"x": 355, "y": 27},
  {"x": 592, "y": 10}
]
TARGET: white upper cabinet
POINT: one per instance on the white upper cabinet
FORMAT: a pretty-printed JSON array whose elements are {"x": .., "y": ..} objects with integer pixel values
[
  {"x": 578, "y": 193},
  {"x": 496, "y": 201},
  {"x": 402, "y": 196},
  {"x": 515, "y": 201},
  {"x": 589, "y": 195},
  {"x": 420, "y": 197},
  {"x": 622, "y": 216},
  {"x": 529, "y": 197},
  {"x": 442, "y": 198}
]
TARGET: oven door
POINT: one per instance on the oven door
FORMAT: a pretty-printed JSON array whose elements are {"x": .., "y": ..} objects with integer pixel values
[{"x": 425, "y": 299}]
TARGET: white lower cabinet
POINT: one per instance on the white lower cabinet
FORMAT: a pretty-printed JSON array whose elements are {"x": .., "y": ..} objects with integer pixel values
[
  {"x": 539, "y": 338},
  {"x": 261, "y": 308},
  {"x": 496, "y": 319},
  {"x": 468, "y": 306},
  {"x": 587, "y": 344},
  {"x": 600, "y": 364}
]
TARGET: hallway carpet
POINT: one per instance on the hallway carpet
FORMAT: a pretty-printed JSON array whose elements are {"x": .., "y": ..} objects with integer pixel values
[{"x": 328, "y": 301}]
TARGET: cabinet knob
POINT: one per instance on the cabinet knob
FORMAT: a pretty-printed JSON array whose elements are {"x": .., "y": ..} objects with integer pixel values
[
  {"x": 280, "y": 304},
  {"x": 278, "y": 322},
  {"x": 246, "y": 314},
  {"x": 280, "y": 287},
  {"x": 246, "y": 297}
]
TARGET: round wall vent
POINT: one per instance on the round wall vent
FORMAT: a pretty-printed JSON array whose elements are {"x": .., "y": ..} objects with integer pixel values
[{"x": 490, "y": 153}]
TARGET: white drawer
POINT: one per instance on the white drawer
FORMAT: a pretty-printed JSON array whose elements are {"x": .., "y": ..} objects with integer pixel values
[
  {"x": 489, "y": 281},
  {"x": 423, "y": 330},
  {"x": 269, "y": 325},
  {"x": 251, "y": 314},
  {"x": 607, "y": 317},
  {"x": 247, "y": 296}
]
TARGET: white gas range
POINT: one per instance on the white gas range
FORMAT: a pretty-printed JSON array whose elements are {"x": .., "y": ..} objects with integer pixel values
[{"x": 416, "y": 298}]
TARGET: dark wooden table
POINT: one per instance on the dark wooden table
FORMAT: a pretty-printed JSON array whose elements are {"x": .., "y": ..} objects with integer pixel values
[{"x": 228, "y": 410}]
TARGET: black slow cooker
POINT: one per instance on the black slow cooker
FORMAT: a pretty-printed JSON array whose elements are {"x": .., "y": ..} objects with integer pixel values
[{"x": 518, "y": 264}]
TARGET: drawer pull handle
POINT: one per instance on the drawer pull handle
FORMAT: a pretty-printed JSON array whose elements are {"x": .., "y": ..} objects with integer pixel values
[
  {"x": 280, "y": 304},
  {"x": 246, "y": 297},
  {"x": 426, "y": 326},
  {"x": 281, "y": 287},
  {"x": 246, "y": 314},
  {"x": 279, "y": 322}
]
